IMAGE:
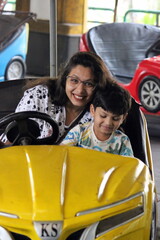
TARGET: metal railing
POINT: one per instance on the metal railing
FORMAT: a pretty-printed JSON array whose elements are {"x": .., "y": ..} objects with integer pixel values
[
  {"x": 156, "y": 13},
  {"x": 99, "y": 9}
]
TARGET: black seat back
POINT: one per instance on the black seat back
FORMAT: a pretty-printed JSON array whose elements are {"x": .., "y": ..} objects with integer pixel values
[
  {"x": 135, "y": 128},
  {"x": 10, "y": 94}
]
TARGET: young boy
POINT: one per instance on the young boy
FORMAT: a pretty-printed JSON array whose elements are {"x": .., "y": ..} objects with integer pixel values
[{"x": 109, "y": 109}]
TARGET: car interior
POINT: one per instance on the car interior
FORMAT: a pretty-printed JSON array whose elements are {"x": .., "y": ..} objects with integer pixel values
[{"x": 133, "y": 126}]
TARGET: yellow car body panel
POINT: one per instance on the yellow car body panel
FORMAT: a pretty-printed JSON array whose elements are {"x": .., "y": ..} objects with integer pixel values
[{"x": 53, "y": 192}]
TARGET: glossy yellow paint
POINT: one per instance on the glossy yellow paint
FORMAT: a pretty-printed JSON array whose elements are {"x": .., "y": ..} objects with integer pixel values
[{"x": 76, "y": 186}]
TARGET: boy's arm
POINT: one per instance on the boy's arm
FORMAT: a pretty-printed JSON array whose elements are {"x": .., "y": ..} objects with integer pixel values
[
  {"x": 72, "y": 137},
  {"x": 126, "y": 149}
]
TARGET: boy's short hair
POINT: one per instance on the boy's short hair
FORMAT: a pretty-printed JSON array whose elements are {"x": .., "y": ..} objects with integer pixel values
[{"x": 113, "y": 98}]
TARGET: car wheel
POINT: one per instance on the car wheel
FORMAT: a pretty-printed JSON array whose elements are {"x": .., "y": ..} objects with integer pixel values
[
  {"x": 15, "y": 70},
  {"x": 149, "y": 93}
]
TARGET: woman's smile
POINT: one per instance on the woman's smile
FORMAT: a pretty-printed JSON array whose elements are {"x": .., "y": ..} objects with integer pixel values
[{"x": 78, "y": 97}]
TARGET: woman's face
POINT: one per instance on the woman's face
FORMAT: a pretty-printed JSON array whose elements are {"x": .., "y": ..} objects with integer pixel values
[{"x": 80, "y": 86}]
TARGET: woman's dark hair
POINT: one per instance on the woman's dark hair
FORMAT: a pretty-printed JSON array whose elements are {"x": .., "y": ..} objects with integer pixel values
[
  {"x": 102, "y": 75},
  {"x": 113, "y": 98}
]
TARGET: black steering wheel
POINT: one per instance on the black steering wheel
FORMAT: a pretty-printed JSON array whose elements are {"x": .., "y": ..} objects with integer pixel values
[{"x": 23, "y": 130}]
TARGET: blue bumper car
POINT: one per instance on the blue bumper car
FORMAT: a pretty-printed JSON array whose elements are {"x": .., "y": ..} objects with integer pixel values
[{"x": 13, "y": 44}]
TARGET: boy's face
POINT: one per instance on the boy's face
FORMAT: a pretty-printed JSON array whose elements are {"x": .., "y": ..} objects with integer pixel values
[{"x": 105, "y": 123}]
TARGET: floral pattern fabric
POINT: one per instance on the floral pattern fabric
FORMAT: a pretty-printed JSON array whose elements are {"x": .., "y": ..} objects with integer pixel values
[
  {"x": 38, "y": 99},
  {"x": 83, "y": 136}
]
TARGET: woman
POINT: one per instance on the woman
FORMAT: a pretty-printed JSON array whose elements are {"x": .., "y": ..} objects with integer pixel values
[{"x": 67, "y": 98}]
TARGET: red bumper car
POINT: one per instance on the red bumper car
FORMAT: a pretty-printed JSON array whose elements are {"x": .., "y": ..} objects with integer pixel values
[{"x": 130, "y": 51}]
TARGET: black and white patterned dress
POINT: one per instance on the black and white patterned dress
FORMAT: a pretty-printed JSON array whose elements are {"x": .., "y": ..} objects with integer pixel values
[{"x": 38, "y": 99}]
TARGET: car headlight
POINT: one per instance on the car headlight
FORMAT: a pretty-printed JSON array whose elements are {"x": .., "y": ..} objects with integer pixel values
[
  {"x": 118, "y": 220},
  {"x": 135, "y": 210}
]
